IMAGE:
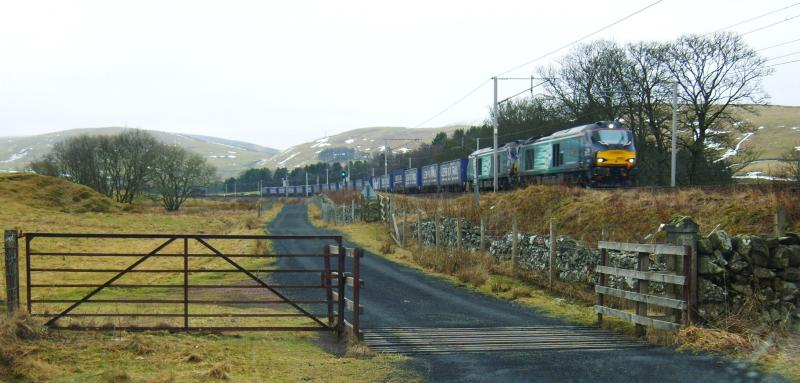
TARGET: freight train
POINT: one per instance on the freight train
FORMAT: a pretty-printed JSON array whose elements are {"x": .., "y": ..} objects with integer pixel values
[{"x": 594, "y": 155}]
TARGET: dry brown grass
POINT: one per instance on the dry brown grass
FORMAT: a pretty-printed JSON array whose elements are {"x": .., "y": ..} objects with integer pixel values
[
  {"x": 219, "y": 371},
  {"x": 468, "y": 266},
  {"x": 710, "y": 339},
  {"x": 344, "y": 196},
  {"x": 630, "y": 214},
  {"x": 18, "y": 336},
  {"x": 387, "y": 247}
]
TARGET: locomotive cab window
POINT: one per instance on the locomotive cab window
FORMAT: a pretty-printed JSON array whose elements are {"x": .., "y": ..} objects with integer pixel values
[
  {"x": 558, "y": 155},
  {"x": 480, "y": 166},
  {"x": 611, "y": 137},
  {"x": 529, "y": 159}
]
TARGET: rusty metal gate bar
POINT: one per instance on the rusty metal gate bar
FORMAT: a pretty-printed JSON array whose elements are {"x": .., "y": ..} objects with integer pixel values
[{"x": 327, "y": 275}]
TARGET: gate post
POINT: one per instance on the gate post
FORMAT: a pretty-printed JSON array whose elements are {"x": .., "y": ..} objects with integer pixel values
[
  {"x": 683, "y": 233},
  {"x": 340, "y": 289},
  {"x": 12, "y": 271},
  {"x": 357, "y": 254}
]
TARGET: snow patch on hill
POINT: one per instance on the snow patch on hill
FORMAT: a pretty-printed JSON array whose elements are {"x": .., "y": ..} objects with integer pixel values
[
  {"x": 281, "y": 163},
  {"x": 19, "y": 154},
  {"x": 732, "y": 152}
]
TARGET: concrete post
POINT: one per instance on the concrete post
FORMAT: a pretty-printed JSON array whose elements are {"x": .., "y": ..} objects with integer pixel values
[
  {"x": 419, "y": 231},
  {"x": 683, "y": 233},
  {"x": 482, "y": 246},
  {"x": 780, "y": 221},
  {"x": 458, "y": 233}
]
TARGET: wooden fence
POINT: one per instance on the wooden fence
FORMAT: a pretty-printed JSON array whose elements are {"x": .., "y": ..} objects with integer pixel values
[
  {"x": 350, "y": 279},
  {"x": 677, "y": 286}
]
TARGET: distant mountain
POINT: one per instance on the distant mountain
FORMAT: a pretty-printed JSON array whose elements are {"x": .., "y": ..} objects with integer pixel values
[
  {"x": 228, "y": 156},
  {"x": 235, "y": 144},
  {"x": 354, "y": 144}
]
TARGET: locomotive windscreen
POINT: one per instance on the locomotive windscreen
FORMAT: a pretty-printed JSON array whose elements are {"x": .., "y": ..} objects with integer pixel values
[{"x": 611, "y": 137}]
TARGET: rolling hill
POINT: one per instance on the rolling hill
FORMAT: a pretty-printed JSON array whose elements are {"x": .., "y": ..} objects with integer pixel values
[
  {"x": 777, "y": 131},
  {"x": 228, "y": 156},
  {"x": 356, "y": 143}
]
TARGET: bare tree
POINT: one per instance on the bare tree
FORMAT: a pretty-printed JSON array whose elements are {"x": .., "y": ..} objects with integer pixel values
[
  {"x": 133, "y": 152},
  {"x": 713, "y": 73},
  {"x": 590, "y": 81},
  {"x": 648, "y": 107},
  {"x": 792, "y": 163},
  {"x": 113, "y": 165},
  {"x": 176, "y": 173}
]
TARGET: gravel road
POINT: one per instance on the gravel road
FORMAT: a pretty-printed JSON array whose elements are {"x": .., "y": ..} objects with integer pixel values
[{"x": 396, "y": 296}]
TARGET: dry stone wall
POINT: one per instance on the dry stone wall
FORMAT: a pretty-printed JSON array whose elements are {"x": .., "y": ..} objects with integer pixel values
[{"x": 731, "y": 270}]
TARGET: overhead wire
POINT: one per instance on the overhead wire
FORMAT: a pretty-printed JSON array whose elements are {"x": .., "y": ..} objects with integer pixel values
[
  {"x": 756, "y": 17},
  {"x": 471, "y": 92},
  {"x": 769, "y": 25},
  {"x": 784, "y": 63},
  {"x": 451, "y": 106},
  {"x": 581, "y": 39},
  {"x": 778, "y": 45},
  {"x": 782, "y": 56}
]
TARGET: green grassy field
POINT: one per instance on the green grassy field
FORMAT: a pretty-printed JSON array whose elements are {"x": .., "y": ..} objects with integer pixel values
[
  {"x": 30, "y": 353},
  {"x": 777, "y": 131}
]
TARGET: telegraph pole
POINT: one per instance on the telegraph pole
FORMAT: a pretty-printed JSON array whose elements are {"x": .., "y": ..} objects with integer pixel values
[
  {"x": 409, "y": 162},
  {"x": 495, "y": 122},
  {"x": 306, "y": 188},
  {"x": 386, "y": 158},
  {"x": 326, "y": 176},
  {"x": 674, "y": 160}
]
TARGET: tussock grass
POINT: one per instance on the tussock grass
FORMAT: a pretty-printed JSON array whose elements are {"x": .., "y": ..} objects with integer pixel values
[
  {"x": 219, "y": 372},
  {"x": 629, "y": 214},
  {"x": 710, "y": 339},
  {"x": 30, "y": 353}
]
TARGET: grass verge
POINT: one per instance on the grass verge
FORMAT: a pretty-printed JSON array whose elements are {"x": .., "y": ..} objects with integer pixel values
[{"x": 478, "y": 272}]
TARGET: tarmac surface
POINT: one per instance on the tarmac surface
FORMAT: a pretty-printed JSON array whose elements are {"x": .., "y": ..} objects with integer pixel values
[{"x": 407, "y": 311}]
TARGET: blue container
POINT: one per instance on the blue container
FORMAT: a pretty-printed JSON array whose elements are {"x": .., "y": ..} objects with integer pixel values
[
  {"x": 413, "y": 180},
  {"x": 453, "y": 173}
]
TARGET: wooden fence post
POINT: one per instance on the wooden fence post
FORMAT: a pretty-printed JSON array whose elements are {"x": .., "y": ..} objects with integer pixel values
[
  {"x": 12, "y": 271},
  {"x": 436, "y": 229},
  {"x": 514, "y": 240},
  {"x": 780, "y": 221},
  {"x": 682, "y": 234},
  {"x": 458, "y": 233},
  {"x": 352, "y": 211},
  {"x": 552, "y": 273},
  {"x": 405, "y": 219},
  {"x": 419, "y": 230},
  {"x": 601, "y": 281},
  {"x": 643, "y": 285}
]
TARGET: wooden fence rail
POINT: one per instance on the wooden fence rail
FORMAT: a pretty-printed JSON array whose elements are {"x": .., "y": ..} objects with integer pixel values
[{"x": 642, "y": 297}]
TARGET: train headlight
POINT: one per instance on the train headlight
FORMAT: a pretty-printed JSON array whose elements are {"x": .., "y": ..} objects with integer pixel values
[
  {"x": 631, "y": 160},
  {"x": 600, "y": 160}
]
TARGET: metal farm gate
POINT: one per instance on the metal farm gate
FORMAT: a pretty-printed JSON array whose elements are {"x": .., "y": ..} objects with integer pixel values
[{"x": 184, "y": 282}]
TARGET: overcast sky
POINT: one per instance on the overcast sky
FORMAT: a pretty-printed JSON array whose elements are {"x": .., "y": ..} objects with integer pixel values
[{"x": 278, "y": 73}]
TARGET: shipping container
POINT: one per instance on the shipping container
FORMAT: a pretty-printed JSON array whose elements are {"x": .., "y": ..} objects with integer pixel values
[
  {"x": 413, "y": 180},
  {"x": 453, "y": 174}
]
